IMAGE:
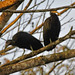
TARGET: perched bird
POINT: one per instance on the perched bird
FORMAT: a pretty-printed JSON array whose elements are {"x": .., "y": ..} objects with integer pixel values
[
  {"x": 24, "y": 40},
  {"x": 51, "y": 29}
]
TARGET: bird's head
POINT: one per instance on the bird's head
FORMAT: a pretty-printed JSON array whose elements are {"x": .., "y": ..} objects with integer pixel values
[{"x": 8, "y": 42}]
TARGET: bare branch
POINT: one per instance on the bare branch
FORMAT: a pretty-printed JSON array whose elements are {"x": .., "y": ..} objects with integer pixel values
[
  {"x": 16, "y": 18},
  {"x": 5, "y": 16},
  {"x": 37, "y": 62},
  {"x": 42, "y": 10},
  {"x": 72, "y": 37},
  {"x": 8, "y": 3}
]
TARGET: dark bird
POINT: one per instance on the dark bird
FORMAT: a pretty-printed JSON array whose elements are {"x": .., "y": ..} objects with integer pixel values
[
  {"x": 24, "y": 40},
  {"x": 51, "y": 29}
]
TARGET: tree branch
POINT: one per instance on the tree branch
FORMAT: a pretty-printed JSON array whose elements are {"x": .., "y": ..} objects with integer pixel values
[
  {"x": 7, "y": 4},
  {"x": 15, "y": 19},
  {"x": 5, "y": 16},
  {"x": 42, "y": 10},
  {"x": 38, "y": 61}
]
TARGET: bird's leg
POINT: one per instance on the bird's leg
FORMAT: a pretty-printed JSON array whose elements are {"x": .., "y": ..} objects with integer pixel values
[
  {"x": 31, "y": 48},
  {"x": 50, "y": 40},
  {"x": 23, "y": 51}
]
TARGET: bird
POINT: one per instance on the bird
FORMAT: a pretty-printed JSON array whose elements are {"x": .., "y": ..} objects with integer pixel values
[
  {"x": 51, "y": 29},
  {"x": 24, "y": 40}
]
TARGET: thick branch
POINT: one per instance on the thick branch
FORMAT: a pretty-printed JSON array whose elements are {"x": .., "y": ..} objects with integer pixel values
[
  {"x": 16, "y": 18},
  {"x": 5, "y": 16},
  {"x": 37, "y": 62},
  {"x": 8, "y": 3}
]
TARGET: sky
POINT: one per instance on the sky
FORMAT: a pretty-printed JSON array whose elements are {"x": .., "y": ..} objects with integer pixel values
[{"x": 64, "y": 29}]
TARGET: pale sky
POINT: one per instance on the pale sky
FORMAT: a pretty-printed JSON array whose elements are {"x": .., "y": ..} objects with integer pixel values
[{"x": 64, "y": 30}]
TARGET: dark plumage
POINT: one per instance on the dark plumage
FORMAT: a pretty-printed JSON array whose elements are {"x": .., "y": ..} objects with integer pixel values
[
  {"x": 51, "y": 29},
  {"x": 24, "y": 40}
]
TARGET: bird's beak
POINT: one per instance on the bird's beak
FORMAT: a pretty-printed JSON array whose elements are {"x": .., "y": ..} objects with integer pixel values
[
  {"x": 55, "y": 12},
  {"x": 6, "y": 45}
]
